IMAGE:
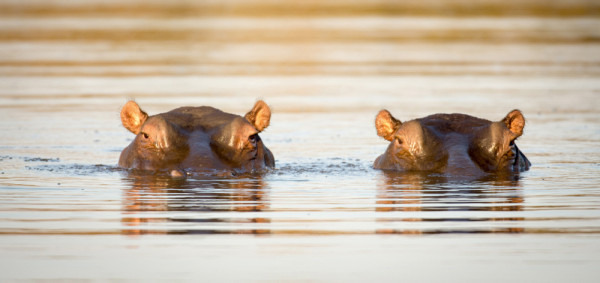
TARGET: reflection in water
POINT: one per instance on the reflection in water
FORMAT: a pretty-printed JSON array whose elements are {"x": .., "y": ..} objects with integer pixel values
[
  {"x": 158, "y": 204},
  {"x": 423, "y": 196}
]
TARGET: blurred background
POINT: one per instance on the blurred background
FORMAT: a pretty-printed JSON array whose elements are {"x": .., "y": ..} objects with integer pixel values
[{"x": 329, "y": 55}]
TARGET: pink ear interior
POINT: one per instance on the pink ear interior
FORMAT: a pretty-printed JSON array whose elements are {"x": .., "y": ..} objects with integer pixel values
[
  {"x": 515, "y": 122},
  {"x": 386, "y": 125},
  {"x": 133, "y": 117},
  {"x": 259, "y": 116}
]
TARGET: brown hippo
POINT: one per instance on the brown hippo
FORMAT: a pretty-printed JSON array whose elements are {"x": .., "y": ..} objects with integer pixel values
[
  {"x": 454, "y": 144},
  {"x": 196, "y": 138}
]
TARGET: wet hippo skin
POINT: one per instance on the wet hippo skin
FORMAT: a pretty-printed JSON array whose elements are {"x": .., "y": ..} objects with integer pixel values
[
  {"x": 196, "y": 138},
  {"x": 455, "y": 144}
]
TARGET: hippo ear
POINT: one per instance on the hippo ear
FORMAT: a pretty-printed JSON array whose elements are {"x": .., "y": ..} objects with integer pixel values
[
  {"x": 133, "y": 117},
  {"x": 515, "y": 122},
  {"x": 386, "y": 125},
  {"x": 259, "y": 116}
]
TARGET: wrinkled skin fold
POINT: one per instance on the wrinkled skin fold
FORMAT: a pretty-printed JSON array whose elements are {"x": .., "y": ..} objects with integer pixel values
[
  {"x": 452, "y": 144},
  {"x": 196, "y": 139}
]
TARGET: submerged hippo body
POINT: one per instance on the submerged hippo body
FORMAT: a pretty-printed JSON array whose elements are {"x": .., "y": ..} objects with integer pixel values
[
  {"x": 454, "y": 144},
  {"x": 196, "y": 138}
]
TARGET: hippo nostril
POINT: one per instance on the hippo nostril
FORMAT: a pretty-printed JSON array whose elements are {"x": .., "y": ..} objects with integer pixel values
[{"x": 178, "y": 174}]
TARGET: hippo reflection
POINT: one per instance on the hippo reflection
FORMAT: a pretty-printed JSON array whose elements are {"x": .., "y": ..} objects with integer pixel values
[
  {"x": 431, "y": 203},
  {"x": 454, "y": 144},
  {"x": 158, "y": 204},
  {"x": 196, "y": 138}
]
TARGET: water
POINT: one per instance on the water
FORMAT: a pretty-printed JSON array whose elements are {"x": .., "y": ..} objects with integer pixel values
[{"x": 325, "y": 68}]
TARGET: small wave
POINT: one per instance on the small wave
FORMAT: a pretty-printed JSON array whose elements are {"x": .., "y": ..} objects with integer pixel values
[
  {"x": 331, "y": 166},
  {"x": 76, "y": 169},
  {"x": 29, "y": 159}
]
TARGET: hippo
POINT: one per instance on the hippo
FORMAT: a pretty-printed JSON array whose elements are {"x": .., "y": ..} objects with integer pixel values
[
  {"x": 452, "y": 144},
  {"x": 196, "y": 139}
]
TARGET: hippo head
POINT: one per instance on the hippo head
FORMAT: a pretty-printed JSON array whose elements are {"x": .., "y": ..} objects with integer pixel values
[
  {"x": 454, "y": 144},
  {"x": 196, "y": 138}
]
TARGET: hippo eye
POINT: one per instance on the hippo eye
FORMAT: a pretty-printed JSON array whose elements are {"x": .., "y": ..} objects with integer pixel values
[{"x": 253, "y": 138}]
